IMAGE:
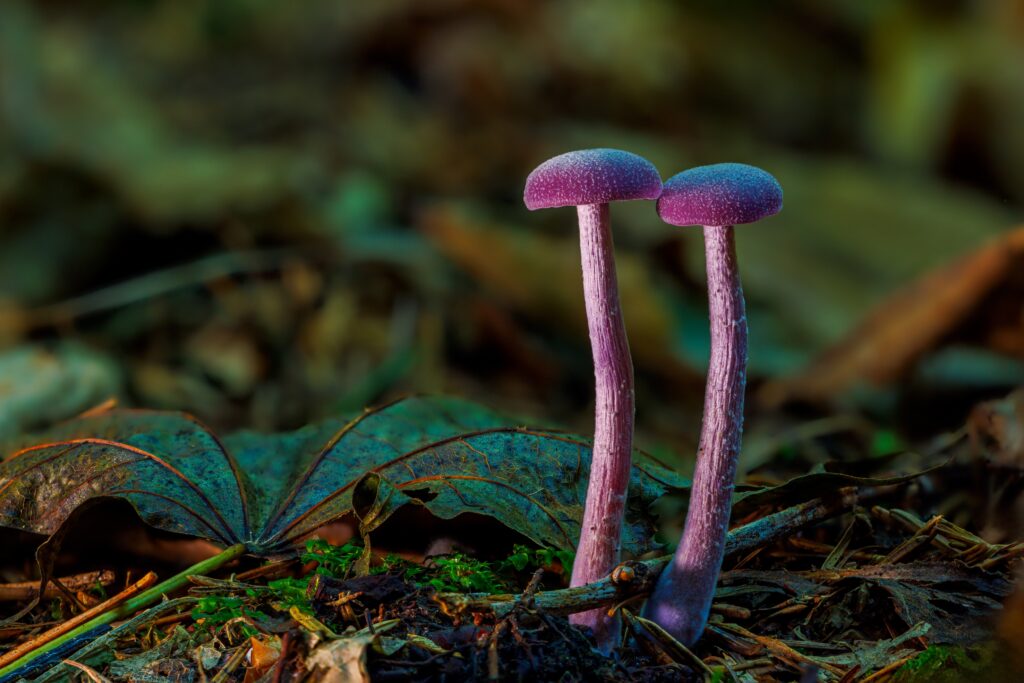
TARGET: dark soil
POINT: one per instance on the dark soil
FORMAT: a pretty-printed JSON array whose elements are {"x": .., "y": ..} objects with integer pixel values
[{"x": 530, "y": 646}]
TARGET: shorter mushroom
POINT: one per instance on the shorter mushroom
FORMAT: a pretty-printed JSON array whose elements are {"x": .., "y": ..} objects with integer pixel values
[
  {"x": 716, "y": 197},
  {"x": 589, "y": 180}
]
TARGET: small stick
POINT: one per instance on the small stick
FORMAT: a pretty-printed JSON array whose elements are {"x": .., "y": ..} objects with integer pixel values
[
  {"x": 68, "y": 595},
  {"x": 286, "y": 640},
  {"x": 493, "y": 673},
  {"x": 780, "y": 650},
  {"x": 26, "y": 590},
  {"x": 665, "y": 647},
  {"x": 923, "y": 535},
  {"x": 638, "y": 578},
  {"x": 93, "y": 675},
  {"x": 750, "y": 663},
  {"x": 733, "y": 612},
  {"x": 889, "y": 668},
  {"x": 72, "y": 623},
  {"x": 525, "y": 601},
  {"x": 172, "y": 619},
  {"x": 162, "y": 282},
  {"x": 270, "y": 569},
  {"x": 230, "y": 666},
  {"x": 104, "y": 642},
  {"x": 145, "y": 599}
]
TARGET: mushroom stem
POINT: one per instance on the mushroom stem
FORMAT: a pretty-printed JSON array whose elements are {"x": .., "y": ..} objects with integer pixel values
[
  {"x": 682, "y": 598},
  {"x": 600, "y": 536}
]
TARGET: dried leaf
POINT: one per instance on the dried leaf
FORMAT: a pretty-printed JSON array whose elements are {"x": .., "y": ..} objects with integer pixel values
[
  {"x": 167, "y": 661},
  {"x": 263, "y": 655},
  {"x": 996, "y": 429},
  {"x": 343, "y": 660},
  {"x": 540, "y": 277},
  {"x": 909, "y": 324}
]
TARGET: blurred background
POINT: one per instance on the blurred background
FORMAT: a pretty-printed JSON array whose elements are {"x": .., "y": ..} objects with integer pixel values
[{"x": 265, "y": 213}]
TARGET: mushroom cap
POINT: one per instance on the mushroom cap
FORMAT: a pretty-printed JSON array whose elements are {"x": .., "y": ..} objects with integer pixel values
[
  {"x": 720, "y": 194},
  {"x": 591, "y": 176}
]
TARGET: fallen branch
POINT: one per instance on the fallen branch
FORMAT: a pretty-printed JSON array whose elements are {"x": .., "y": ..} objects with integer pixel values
[
  {"x": 26, "y": 590},
  {"x": 634, "y": 578}
]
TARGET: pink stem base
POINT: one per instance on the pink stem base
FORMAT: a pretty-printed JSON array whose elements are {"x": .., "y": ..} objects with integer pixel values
[
  {"x": 599, "y": 547},
  {"x": 682, "y": 598}
]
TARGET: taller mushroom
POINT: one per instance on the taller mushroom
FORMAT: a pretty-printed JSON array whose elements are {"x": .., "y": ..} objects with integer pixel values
[
  {"x": 716, "y": 197},
  {"x": 589, "y": 180}
]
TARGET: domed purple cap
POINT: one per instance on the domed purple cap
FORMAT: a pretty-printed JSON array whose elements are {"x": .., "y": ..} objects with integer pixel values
[
  {"x": 591, "y": 176},
  {"x": 720, "y": 194}
]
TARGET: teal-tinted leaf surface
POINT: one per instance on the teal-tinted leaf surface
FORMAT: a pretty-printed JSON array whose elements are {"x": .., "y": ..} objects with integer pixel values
[{"x": 267, "y": 490}]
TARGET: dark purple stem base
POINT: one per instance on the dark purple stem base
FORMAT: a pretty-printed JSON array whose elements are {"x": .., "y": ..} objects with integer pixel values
[
  {"x": 682, "y": 598},
  {"x": 598, "y": 551}
]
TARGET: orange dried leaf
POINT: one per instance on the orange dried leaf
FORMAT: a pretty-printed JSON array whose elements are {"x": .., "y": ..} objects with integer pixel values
[{"x": 914, "y": 321}]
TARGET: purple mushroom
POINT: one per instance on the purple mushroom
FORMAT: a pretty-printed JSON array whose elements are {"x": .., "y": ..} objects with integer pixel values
[
  {"x": 589, "y": 180},
  {"x": 716, "y": 197}
]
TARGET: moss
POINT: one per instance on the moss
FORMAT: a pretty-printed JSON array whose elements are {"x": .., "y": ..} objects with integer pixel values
[{"x": 941, "y": 663}]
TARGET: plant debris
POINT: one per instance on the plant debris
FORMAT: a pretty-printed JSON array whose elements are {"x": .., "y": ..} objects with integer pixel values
[{"x": 785, "y": 604}]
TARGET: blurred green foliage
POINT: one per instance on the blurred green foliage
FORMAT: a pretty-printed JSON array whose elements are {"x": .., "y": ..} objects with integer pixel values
[{"x": 295, "y": 151}]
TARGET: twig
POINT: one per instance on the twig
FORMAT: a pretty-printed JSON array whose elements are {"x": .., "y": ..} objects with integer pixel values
[
  {"x": 162, "y": 282},
  {"x": 286, "y": 640},
  {"x": 230, "y": 666},
  {"x": 493, "y": 672},
  {"x": 748, "y": 664},
  {"x": 524, "y": 602},
  {"x": 134, "y": 604},
  {"x": 68, "y": 595},
  {"x": 665, "y": 648},
  {"x": 15, "y": 630},
  {"x": 87, "y": 651},
  {"x": 172, "y": 619},
  {"x": 925, "y": 534},
  {"x": 523, "y": 642},
  {"x": 780, "y": 650},
  {"x": 531, "y": 589},
  {"x": 780, "y": 524},
  {"x": 93, "y": 675},
  {"x": 65, "y": 627},
  {"x": 889, "y": 668},
  {"x": 638, "y": 578},
  {"x": 26, "y": 590},
  {"x": 267, "y": 570},
  {"x": 732, "y": 612}
]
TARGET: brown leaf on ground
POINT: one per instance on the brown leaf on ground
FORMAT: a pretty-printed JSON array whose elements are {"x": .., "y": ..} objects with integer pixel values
[
  {"x": 996, "y": 429},
  {"x": 264, "y": 655},
  {"x": 914, "y": 321},
  {"x": 539, "y": 277}
]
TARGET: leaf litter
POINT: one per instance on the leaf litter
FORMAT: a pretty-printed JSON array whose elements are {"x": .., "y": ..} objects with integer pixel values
[
  {"x": 787, "y": 603},
  {"x": 893, "y": 586}
]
